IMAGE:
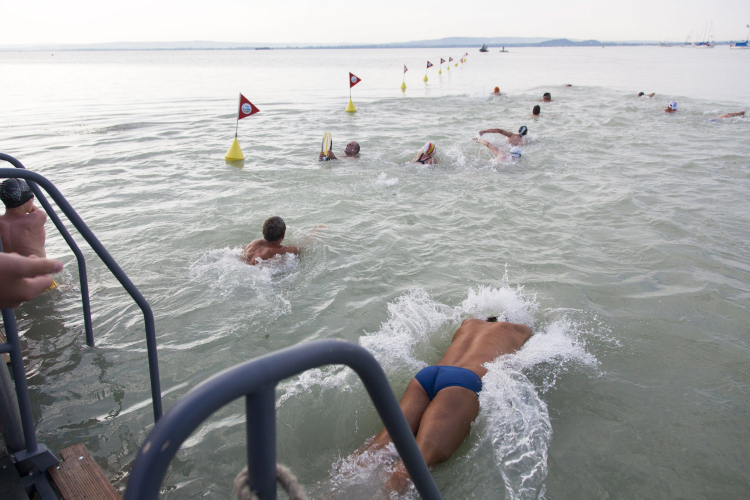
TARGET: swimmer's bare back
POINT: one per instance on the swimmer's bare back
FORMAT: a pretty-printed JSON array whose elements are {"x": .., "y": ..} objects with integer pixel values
[
  {"x": 23, "y": 233},
  {"x": 264, "y": 250},
  {"x": 477, "y": 342}
]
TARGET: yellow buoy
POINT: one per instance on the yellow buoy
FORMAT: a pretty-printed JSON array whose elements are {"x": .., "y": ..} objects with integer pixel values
[
  {"x": 350, "y": 107},
  {"x": 403, "y": 85},
  {"x": 234, "y": 152},
  {"x": 448, "y": 67},
  {"x": 425, "y": 78},
  {"x": 440, "y": 72}
]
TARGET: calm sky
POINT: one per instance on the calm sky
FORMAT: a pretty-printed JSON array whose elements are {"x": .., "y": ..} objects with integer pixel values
[{"x": 337, "y": 21}]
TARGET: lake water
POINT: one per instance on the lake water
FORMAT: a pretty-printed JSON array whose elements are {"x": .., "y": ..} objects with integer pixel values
[{"x": 622, "y": 237}]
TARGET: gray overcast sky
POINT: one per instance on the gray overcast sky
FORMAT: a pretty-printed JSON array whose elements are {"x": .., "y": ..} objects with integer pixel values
[{"x": 336, "y": 21}]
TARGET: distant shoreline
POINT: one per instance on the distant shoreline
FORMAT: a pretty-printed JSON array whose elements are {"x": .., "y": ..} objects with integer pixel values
[{"x": 444, "y": 43}]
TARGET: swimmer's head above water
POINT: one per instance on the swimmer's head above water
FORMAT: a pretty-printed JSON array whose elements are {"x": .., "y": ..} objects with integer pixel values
[
  {"x": 523, "y": 130},
  {"x": 492, "y": 319},
  {"x": 15, "y": 192},
  {"x": 515, "y": 152},
  {"x": 547, "y": 97},
  {"x": 537, "y": 110},
  {"x": 425, "y": 154},
  {"x": 352, "y": 149},
  {"x": 274, "y": 229}
]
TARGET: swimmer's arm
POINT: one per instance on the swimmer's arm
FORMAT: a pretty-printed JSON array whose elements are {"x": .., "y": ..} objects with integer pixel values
[
  {"x": 331, "y": 156},
  {"x": 308, "y": 239},
  {"x": 652, "y": 94},
  {"x": 730, "y": 115},
  {"x": 495, "y": 131}
]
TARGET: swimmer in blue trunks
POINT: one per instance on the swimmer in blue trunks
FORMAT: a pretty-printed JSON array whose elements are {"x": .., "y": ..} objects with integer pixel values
[{"x": 441, "y": 402}]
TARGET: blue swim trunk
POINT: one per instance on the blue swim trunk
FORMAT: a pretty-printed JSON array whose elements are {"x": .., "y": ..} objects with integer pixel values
[{"x": 433, "y": 379}]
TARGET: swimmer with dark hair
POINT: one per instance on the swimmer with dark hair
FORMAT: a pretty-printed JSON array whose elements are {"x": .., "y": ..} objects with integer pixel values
[
  {"x": 425, "y": 156},
  {"x": 515, "y": 151},
  {"x": 641, "y": 94},
  {"x": 537, "y": 110},
  {"x": 547, "y": 97},
  {"x": 274, "y": 230},
  {"x": 496, "y": 91},
  {"x": 352, "y": 150},
  {"x": 730, "y": 115},
  {"x": 514, "y": 139}
]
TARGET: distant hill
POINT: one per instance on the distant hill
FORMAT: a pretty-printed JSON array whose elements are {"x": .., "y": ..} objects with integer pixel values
[{"x": 467, "y": 42}]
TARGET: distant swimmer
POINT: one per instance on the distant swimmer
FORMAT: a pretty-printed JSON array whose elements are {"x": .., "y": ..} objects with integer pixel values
[
  {"x": 442, "y": 400},
  {"x": 22, "y": 225},
  {"x": 730, "y": 115},
  {"x": 536, "y": 111},
  {"x": 641, "y": 94},
  {"x": 547, "y": 97},
  {"x": 514, "y": 139},
  {"x": 496, "y": 91},
  {"x": 672, "y": 108},
  {"x": 425, "y": 156},
  {"x": 515, "y": 151},
  {"x": 567, "y": 85},
  {"x": 270, "y": 246},
  {"x": 352, "y": 149}
]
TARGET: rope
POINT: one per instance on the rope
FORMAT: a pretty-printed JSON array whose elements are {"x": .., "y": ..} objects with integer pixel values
[{"x": 283, "y": 475}]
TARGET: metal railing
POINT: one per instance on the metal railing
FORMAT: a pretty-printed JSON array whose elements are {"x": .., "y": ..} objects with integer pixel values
[
  {"x": 35, "y": 180},
  {"x": 256, "y": 380}
]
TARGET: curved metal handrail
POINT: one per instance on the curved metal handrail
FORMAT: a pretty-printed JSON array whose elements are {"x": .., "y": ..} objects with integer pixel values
[
  {"x": 88, "y": 235},
  {"x": 71, "y": 243},
  {"x": 256, "y": 380}
]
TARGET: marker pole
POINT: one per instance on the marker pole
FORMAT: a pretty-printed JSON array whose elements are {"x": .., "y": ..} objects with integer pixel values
[{"x": 237, "y": 125}]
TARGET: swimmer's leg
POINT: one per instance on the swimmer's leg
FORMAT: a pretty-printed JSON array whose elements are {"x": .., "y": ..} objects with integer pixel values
[
  {"x": 492, "y": 147},
  {"x": 443, "y": 427},
  {"x": 413, "y": 404}
]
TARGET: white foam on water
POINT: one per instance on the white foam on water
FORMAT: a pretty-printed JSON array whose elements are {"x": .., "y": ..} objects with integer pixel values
[
  {"x": 513, "y": 421},
  {"x": 384, "y": 181},
  {"x": 224, "y": 272}
]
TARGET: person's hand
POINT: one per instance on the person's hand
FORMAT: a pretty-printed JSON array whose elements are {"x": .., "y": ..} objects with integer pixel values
[
  {"x": 475, "y": 139},
  {"x": 481, "y": 133},
  {"x": 23, "y": 278}
]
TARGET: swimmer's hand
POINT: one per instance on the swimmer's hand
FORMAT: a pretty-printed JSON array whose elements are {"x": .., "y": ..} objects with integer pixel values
[
  {"x": 481, "y": 133},
  {"x": 23, "y": 278}
]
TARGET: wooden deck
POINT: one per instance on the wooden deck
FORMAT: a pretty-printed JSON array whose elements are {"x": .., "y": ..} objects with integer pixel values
[{"x": 79, "y": 477}]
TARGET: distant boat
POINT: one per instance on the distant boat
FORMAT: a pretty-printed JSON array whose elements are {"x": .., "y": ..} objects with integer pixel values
[
  {"x": 503, "y": 50},
  {"x": 742, "y": 45},
  {"x": 708, "y": 35},
  {"x": 484, "y": 48}
]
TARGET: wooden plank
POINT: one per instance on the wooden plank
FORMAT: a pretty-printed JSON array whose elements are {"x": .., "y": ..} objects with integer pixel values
[
  {"x": 2, "y": 341},
  {"x": 79, "y": 477}
]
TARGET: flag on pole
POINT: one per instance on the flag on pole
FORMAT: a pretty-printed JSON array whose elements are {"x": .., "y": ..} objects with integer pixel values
[
  {"x": 405, "y": 68},
  {"x": 246, "y": 108},
  {"x": 429, "y": 64},
  {"x": 450, "y": 59},
  {"x": 442, "y": 60},
  {"x": 353, "y": 80}
]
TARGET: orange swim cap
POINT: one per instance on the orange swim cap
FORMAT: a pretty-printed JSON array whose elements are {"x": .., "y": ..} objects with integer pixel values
[{"x": 497, "y": 89}]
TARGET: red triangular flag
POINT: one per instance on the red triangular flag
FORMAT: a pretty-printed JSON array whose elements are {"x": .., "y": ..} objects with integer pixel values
[
  {"x": 442, "y": 60},
  {"x": 429, "y": 64},
  {"x": 353, "y": 80},
  {"x": 246, "y": 108},
  {"x": 450, "y": 59},
  {"x": 405, "y": 68}
]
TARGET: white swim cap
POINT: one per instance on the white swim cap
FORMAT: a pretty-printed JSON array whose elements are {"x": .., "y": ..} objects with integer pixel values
[
  {"x": 672, "y": 105},
  {"x": 515, "y": 151},
  {"x": 428, "y": 148}
]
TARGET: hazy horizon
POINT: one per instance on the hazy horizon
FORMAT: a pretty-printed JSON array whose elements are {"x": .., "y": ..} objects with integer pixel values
[{"x": 336, "y": 22}]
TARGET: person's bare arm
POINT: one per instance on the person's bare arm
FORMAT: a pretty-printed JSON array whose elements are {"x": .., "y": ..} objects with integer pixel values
[
  {"x": 652, "y": 94},
  {"x": 730, "y": 115},
  {"x": 498, "y": 152},
  {"x": 331, "y": 156},
  {"x": 496, "y": 131},
  {"x": 307, "y": 239},
  {"x": 23, "y": 278}
]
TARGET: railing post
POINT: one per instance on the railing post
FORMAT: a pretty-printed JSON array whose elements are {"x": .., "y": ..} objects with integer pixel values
[{"x": 260, "y": 409}]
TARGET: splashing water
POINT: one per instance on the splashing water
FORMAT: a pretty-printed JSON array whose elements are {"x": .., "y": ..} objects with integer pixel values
[{"x": 513, "y": 421}]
